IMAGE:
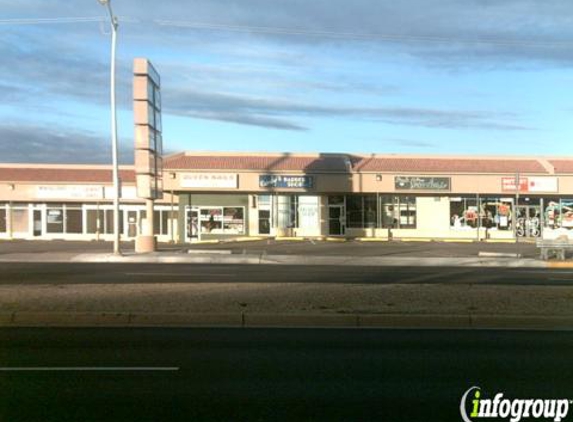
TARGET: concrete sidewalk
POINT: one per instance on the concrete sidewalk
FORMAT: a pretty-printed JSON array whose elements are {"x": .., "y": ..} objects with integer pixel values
[
  {"x": 265, "y": 259},
  {"x": 271, "y": 252}
]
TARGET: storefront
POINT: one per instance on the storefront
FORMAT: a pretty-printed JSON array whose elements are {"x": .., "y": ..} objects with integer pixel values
[
  {"x": 210, "y": 196},
  {"x": 75, "y": 203},
  {"x": 212, "y": 216},
  {"x": 74, "y": 221}
]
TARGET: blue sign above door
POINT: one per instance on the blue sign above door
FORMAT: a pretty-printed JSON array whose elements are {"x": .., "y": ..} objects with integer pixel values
[{"x": 293, "y": 182}]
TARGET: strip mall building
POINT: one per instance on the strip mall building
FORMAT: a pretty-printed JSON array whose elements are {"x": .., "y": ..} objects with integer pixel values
[{"x": 223, "y": 195}]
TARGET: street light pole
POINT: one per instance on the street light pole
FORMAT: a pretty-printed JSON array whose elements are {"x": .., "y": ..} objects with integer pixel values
[{"x": 116, "y": 184}]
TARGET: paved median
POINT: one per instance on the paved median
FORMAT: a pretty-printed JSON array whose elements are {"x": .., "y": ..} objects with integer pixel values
[
  {"x": 245, "y": 320},
  {"x": 219, "y": 257}
]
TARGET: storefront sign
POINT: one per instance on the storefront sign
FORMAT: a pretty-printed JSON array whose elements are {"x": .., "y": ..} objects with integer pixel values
[
  {"x": 275, "y": 181},
  {"x": 530, "y": 184},
  {"x": 126, "y": 192},
  {"x": 148, "y": 129},
  {"x": 421, "y": 183},
  {"x": 209, "y": 180},
  {"x": 69, "y": 192}
]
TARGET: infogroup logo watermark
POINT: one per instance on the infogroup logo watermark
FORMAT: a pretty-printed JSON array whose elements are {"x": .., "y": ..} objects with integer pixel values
[{"x": 513, "y": 409}]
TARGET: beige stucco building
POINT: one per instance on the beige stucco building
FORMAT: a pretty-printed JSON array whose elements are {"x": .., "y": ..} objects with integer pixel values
[{"x": 227, "y": 195}]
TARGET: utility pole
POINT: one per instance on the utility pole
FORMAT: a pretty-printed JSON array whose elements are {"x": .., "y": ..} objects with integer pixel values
[
  {"x": 116, "y": 182},
  {"x": 517, "y": 213}
]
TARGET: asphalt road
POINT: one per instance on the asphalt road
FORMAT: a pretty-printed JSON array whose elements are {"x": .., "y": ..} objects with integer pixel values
[
  {"x": 271, "y": 375},
  {"x": 69, "y": 273}
]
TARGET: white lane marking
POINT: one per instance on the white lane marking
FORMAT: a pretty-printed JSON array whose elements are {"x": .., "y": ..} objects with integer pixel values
[
  {"x": 88, "y": 368},
  {"x": 183, "y": 275}
]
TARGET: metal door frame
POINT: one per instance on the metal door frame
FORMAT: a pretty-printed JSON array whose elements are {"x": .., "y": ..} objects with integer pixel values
[
  {"x": 341, "y": 218},
  {"x": 527, "y": 232}
]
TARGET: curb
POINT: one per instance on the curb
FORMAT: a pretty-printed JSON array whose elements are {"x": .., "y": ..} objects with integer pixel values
[
  {"x": 245, "y": 320},
  {"x": 289, "y": 239},
  {"x": 559, "y": 264},
  {"x": 262, "y": 258}
]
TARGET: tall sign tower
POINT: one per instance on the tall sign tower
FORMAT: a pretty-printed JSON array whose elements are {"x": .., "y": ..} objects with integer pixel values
[{"x": 148, "y": 145}]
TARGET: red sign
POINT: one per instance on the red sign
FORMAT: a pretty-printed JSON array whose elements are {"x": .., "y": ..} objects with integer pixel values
[
  {"x": 508, "y": 184},
  {"x": 530, "y": 184}
]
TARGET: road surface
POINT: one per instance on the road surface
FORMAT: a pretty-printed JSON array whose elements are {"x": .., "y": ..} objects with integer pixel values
[
  {"x": 71, "y": 273},
  {"x": 271, "y": 374}
]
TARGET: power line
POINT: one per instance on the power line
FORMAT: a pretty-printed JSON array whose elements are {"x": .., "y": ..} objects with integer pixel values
[
  {"x": 298, "y": 32},
  {"x": 46, "y": 21},
  {"x": 356, "y": 35}
]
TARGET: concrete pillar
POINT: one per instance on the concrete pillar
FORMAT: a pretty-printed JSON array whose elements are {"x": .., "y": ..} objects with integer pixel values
[{"x": 147, "y": 242}]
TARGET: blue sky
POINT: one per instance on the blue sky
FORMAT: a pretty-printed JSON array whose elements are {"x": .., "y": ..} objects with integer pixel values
[{"x": 416, "y": 76}]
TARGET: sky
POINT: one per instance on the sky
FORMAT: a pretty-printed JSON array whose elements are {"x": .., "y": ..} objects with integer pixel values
[{"x": 438, "y": 77}]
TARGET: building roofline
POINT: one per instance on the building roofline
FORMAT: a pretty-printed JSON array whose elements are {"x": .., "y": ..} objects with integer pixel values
[
  {"x": 203, "y": 153},
  {"x": 65, "y": 166}
]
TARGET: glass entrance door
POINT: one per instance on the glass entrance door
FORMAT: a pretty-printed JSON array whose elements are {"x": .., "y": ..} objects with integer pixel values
[
  {"x": 131, "y": 223},
  {"x": 37, "y": 223},
  {"x": 528, "y": 223},
  {"x": 192, "y": 224},
  {"x": 264, "y": 221},
  {"x": 336, "y": 220}
]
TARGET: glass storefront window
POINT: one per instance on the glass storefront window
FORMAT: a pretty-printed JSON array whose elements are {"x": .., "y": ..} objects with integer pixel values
[
  {"x": 496, "y": 213},
  {"x": 20, "y": 223},
  {"x": 101, "y": 221},
  {"x": 389, "y": 219},
  {"x": 354, "y": 211},
  {"x": 336, "y": 200},
  {"x": 264, "y": 200},
  {"x": 3, "y": 216},
  {"x": 407, "y": 206},
  {"x": 108, "y": 223},
  {"x": 286, "y": 211},
  {"x": 360, "y": 211},
  {"x": 558, "y": 213},
  {"x": 464, "y": 213},
  {"x": 566, "y": 213},
  {"x": 94, "y": 221},
  {"x": 217, "y": 220},
  {"x": 211, "y": 220},
  {"x": 165, "y": 214},
  {"x": 74, "y": 222},
  {"x": 308, "y": 208},
  {"x": 370, "y": 211},
  {"x": 55, "y": 219},
  {"x": 233, "y": 220},
  {"x": 398, "y": 212},
  {"x": 157, "y": 222}
]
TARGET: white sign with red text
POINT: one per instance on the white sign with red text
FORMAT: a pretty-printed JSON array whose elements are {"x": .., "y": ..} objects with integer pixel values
[{"x": 530, "y": 184}]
